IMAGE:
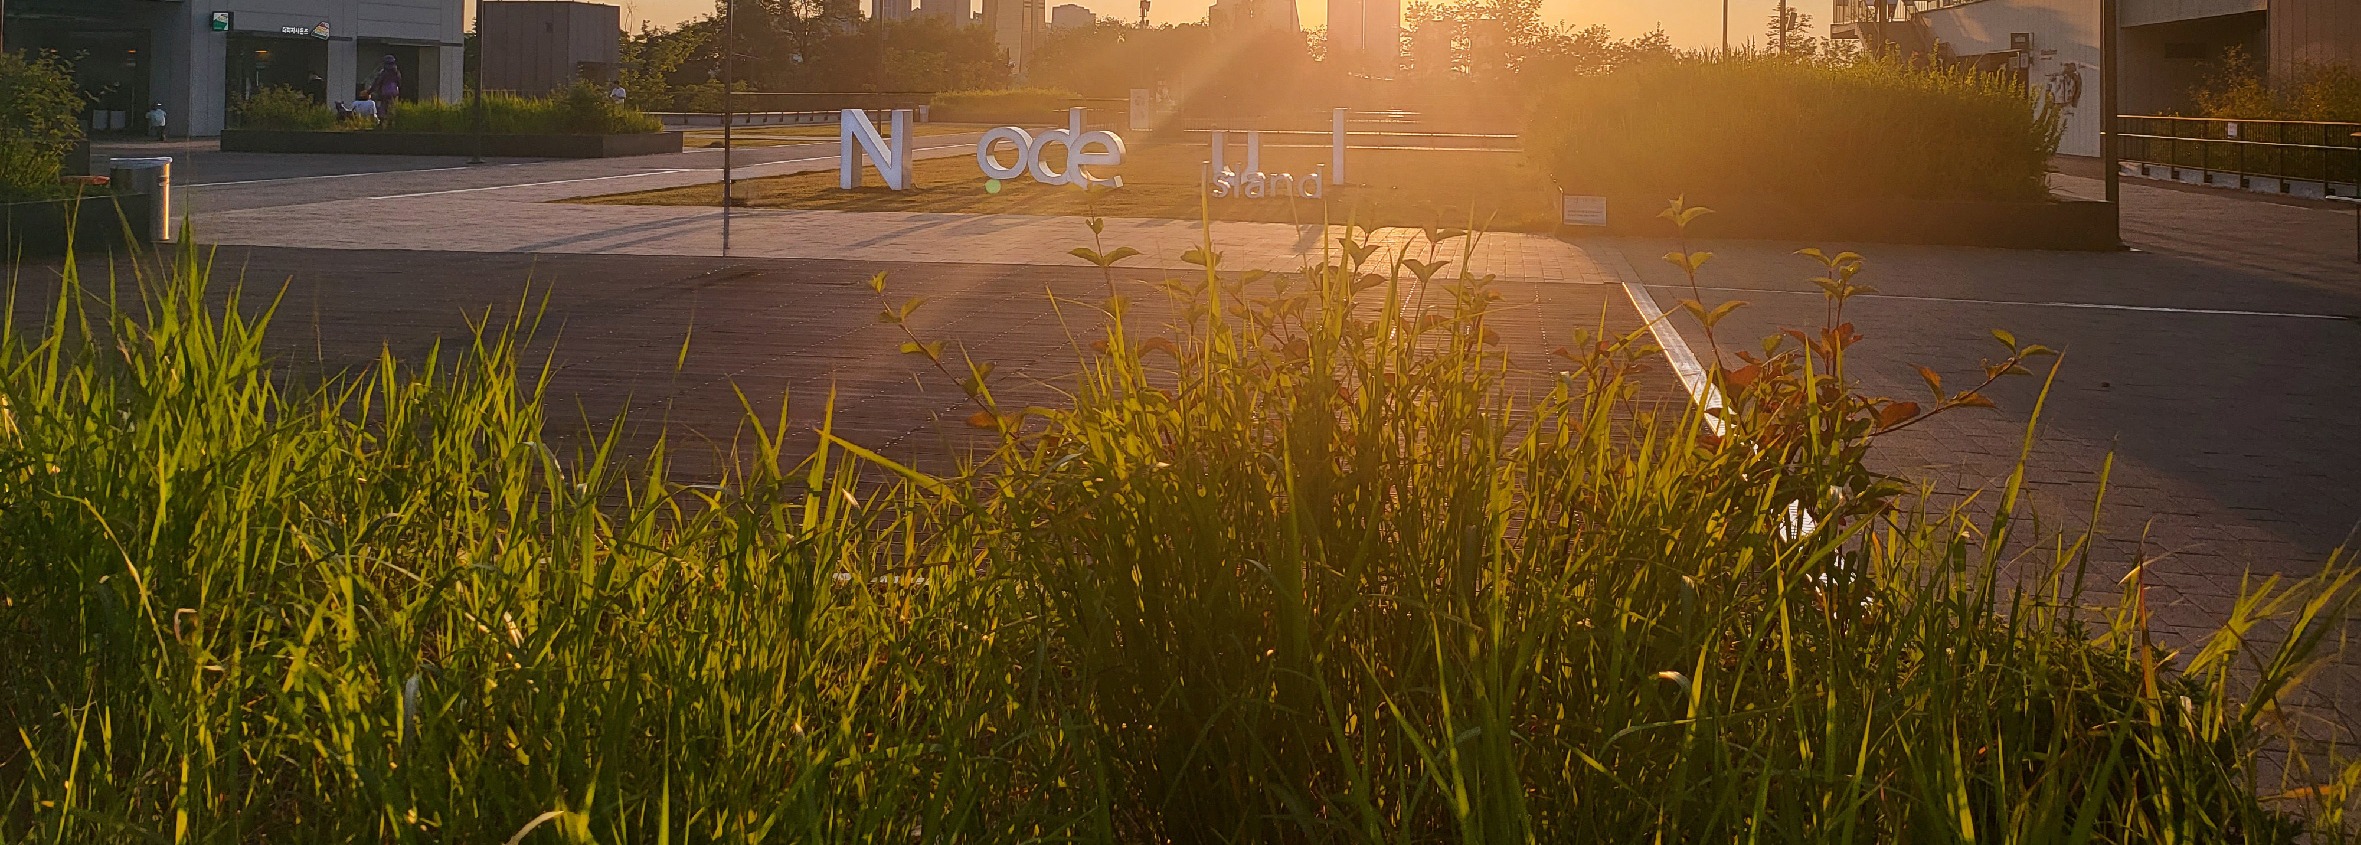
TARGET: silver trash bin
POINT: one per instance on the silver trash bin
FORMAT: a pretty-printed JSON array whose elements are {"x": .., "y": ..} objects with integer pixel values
[{"x": 151, "y": 177}]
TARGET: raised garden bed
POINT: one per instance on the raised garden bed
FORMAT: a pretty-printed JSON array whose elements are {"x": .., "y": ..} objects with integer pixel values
[
  {"x": 99, "y": 222},
  {"x": 449, "y": 144},
  {"x": 2062, "y": 225}
]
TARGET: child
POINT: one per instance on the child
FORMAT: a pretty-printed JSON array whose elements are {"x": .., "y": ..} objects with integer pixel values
[
  {"x": 156, "y": 120},
  {"x": 364, "y": 108}
]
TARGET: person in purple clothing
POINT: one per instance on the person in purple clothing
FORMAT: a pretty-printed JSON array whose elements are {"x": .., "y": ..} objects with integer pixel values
[{"x": 387, "y": 88}]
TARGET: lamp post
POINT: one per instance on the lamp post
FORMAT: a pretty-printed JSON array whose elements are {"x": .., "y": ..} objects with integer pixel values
[
  {"x": 2109, "y": 155},
  {"x": 729, "y": 118},
  {"x": 1725, "y": 29},
  {"x": 480, "y": 117},
  {"x": 1783, "y": 22}
]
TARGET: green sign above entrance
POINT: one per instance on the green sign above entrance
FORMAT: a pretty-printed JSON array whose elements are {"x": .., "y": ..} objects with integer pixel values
[{"x": 221, "y": 21}]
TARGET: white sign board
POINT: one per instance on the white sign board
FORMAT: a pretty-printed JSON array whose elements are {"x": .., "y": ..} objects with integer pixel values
[{"x": 1585, "y": 211}]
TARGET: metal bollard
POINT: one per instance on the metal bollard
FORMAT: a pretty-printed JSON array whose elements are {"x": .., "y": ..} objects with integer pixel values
[{"x": 151, "y": 177}]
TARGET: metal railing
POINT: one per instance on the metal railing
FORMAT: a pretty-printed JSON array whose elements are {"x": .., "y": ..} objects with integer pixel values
[{"x": 2314, "y": 159}]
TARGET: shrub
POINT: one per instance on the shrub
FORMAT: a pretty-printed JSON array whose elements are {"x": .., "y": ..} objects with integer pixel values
[
  {"x": 1761, "y": 126},
  {"x": 1012, "y": 106},
  {"x": 584, "y": 109},
  {"x": 1284, "y": 570},
  {"x": 2235, "y": 89},
  {"x": 40, "y": 124},
  {"x": 284, "y": 109}
]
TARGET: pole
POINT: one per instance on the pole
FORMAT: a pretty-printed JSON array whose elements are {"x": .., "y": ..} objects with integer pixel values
[
  {"x": 1783, "y": 19},
  {"x": 1725, "y": 29},
  {"x": 729, "y": 119},
  {"x": 2109, "y": 152},
  {"x": 480, "y": 117}
]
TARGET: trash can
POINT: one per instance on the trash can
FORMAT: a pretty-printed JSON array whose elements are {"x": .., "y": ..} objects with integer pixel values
[{"x": 151, "y": 177}]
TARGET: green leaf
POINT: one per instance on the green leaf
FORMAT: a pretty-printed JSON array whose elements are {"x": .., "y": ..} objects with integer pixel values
[
  {"x": 2004, "y": 337},
  {"x": 877, "y": 282}
]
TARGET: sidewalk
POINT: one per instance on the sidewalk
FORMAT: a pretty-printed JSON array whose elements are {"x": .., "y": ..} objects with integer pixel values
[{"x": 520, "y": 212}]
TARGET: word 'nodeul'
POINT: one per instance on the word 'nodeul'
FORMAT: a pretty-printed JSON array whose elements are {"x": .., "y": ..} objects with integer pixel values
[{"x": 1084, "y": 150}]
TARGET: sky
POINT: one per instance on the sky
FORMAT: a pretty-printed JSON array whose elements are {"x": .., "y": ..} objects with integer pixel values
[{"x": 1690, "y": 23}]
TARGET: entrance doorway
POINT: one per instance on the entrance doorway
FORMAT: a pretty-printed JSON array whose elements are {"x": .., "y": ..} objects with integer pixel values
[
  {"x": 368, "y": 56},
  {"x": 110, "y": 66},
  {"x": 260, "y": 62}
]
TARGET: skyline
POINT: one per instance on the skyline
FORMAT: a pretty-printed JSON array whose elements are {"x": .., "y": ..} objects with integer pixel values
[{"x": 1692, "y": 24}]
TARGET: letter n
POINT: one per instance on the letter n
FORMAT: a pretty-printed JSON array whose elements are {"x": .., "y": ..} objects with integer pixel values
[{"x": 858, "y": 135}]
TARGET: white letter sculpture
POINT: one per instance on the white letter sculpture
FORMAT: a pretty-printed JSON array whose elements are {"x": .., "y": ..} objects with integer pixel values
[
  {"x": 860, "y": 135},
  {"x": 1083, "y": 150}
]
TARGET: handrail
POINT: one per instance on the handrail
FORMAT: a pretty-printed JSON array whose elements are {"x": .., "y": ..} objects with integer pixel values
[
  {"x": 2291, "y": 146},
  {"x": 2311, "y": 157},
  {"x": 2268, "y": 121}
]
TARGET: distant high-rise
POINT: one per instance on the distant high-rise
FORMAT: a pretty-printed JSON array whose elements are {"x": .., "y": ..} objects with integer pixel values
[
  {"x": 1366, "y": 35},
  {"x": 1273, "y": 15},
  {"x": 1070, "y": 16},
  {"x": 889, "y": 10},
  {"x": 1017, "y": 26},
  {"x": 958, "y": 11}
]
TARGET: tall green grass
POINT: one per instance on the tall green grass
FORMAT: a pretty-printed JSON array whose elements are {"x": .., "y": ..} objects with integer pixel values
[
  {"x": 1295, "y": 568},
  {"x": 583, "y": 109},
  {"x": 1759, "y": 126}
]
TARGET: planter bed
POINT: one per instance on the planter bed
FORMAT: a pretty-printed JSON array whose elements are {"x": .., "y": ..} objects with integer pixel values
[
  {"x": 37, "y": 229},
  {"x": 2062, "y": 225},
  {"x": 449, "y": 144}
]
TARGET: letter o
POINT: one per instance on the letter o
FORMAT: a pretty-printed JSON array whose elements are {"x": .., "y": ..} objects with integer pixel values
[{"x": 992, "y": 167}]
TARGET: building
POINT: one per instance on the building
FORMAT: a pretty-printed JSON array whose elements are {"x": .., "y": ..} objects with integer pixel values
[
  {"x": 1366, "y": 35},
  {"x": 198, "y": 57},
  {"x": 1430, "y": 47},
  {"x": 1071, "y": 16},
  {"x": 536, "y": 48},
  {"x": 959, "y": 12},
  {"x": 2167, "y": 45},
  {"x": 891, "y": 10},
  {"x": 1017, "y": 25},
  {"x": 1254, "y": 16}
]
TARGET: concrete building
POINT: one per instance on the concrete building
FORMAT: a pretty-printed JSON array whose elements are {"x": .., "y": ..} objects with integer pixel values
[
  {"x": 535, "y": 48},
  {"x": 2166, "y": 44},
  {"x": 1430, "y": 47},
  {"x": 198, "y": 57},
  {"x": 1366, "y": 35},
  {"x": 1254, "y": 15},
  {"x": 1071, "y": 16},
  {"x": 1017, "y": 26},
  {"x": 960, "y": 12}
]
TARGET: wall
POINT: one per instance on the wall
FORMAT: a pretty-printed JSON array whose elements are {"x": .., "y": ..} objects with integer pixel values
[
  {"x": 2162, "y": 63},
  {"x": 2065, "y": 53},
  {"x": 537, "y": 48},
  {"x": 2147, "y": 12},
  {"x": 2314, "y": 31}
]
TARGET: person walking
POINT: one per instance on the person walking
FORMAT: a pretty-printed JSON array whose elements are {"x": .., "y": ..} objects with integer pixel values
[
  {"x": 156, "y": 120},
  {"x": 386, "y": 89}
]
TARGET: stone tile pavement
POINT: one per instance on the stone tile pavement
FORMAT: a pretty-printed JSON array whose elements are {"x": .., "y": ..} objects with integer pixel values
[{"x": 2215, "y": 366}]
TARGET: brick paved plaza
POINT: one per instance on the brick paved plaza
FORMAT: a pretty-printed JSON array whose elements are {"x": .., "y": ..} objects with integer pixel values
[{"x": 2215, "y": 363}]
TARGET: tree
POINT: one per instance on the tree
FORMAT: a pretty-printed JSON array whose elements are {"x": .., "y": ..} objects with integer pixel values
[{"x": 1791, "y": 35}]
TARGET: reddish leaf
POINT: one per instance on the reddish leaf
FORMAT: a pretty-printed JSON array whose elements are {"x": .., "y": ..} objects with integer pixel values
[
  {"x": 1933, "y": 379},
  {"x": 1896, "y": 413},
  {"x": 983, "y": 419}
]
